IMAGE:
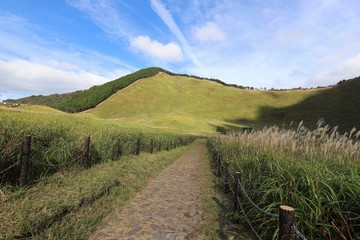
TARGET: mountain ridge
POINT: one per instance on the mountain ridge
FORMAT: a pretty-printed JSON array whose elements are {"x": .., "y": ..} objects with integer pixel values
[{"x": 82, "y": 100}]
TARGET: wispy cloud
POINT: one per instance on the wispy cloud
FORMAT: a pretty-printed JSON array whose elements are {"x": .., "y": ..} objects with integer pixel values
[
  {"x": 166, "y": 17},
  {"x": 268, "y": 42},
  {"x": 104, "y": 15}
]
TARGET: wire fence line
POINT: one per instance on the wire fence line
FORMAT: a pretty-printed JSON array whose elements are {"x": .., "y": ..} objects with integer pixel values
[
  {"x": 44, "y": 164},
  {"x": 229, "y": 177},
  {"x": 53, "y": 158},
  {"x": 10, "y": 149},
  {"x": 7, "y": 169}
]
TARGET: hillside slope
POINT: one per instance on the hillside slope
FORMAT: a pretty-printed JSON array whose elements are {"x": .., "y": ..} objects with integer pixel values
[
  {"x": 157, "y": 98},
  {"x": 189, "y": 103}
]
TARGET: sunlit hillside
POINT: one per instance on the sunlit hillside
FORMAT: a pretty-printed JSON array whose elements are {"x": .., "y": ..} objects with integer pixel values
[{"x": 190, "y": 104}]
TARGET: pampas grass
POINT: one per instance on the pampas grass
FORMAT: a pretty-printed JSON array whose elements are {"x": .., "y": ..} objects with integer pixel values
[{"x": 315, "y": 171}]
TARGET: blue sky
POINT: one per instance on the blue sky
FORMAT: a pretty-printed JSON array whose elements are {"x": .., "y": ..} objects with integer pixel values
[{"x": 65, "y": 45}]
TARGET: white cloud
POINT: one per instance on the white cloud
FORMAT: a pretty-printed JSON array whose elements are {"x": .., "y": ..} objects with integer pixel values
[
  {"x": 209, "y": 32},
  {"x": 155, "y": 49},
  {"x": 40, "y": 78},
  {"x": 31, "y": 62}
]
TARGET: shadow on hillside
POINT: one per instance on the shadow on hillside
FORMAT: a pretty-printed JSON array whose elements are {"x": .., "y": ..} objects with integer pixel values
[{"x": 337, "y": 106}]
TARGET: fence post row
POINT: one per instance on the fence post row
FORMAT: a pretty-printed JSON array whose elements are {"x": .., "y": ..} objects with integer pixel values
[
  {"x": 25, "y": 158},
  {"x": 87, "y": 152},
  {"x": 286, "y": 221}
]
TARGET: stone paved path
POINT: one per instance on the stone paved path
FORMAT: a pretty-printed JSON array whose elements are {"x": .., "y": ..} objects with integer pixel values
[{"x": 169, "y": 207}]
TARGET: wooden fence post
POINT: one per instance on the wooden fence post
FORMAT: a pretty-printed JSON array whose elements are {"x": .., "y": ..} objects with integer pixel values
[
  {"x": 117, "y": 149},
  {"x": 237, "y": 192},
  {"x": 286, "y": 221},
  {"x": 138, "y": 145},
  {"x": 227, "y": 177},
  {"x": 87, "y": 152},
  {"x": 25, "y": 158},
  {"x": 152, "y": 146}
]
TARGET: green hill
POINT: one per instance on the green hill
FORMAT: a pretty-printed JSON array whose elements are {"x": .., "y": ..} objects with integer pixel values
[
  {"x": 190, "y": 104},
  {"x": 159, "y": 99}
]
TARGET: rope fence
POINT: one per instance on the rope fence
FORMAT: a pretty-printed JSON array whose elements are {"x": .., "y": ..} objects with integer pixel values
[{"x": 286, "y": 215}]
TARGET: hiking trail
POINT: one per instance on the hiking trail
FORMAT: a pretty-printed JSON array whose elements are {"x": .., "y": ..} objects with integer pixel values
[{"x": 170, "y": 207}]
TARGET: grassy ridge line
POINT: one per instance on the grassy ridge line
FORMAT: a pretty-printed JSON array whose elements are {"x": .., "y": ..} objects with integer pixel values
[
  {"x": 30, "y": 213},
  {"x": 82, "y": 100}
]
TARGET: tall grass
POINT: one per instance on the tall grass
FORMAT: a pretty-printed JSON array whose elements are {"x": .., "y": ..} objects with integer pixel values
[
  {"x": 58, "y": 142},
  {"x": 317, "y": 172}
]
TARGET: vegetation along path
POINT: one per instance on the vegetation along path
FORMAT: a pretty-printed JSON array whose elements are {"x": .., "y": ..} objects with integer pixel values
[{"x": 168, "y": 208}]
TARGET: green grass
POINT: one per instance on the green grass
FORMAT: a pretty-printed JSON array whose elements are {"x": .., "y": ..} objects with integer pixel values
[{"x": 72, "y": 204}]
